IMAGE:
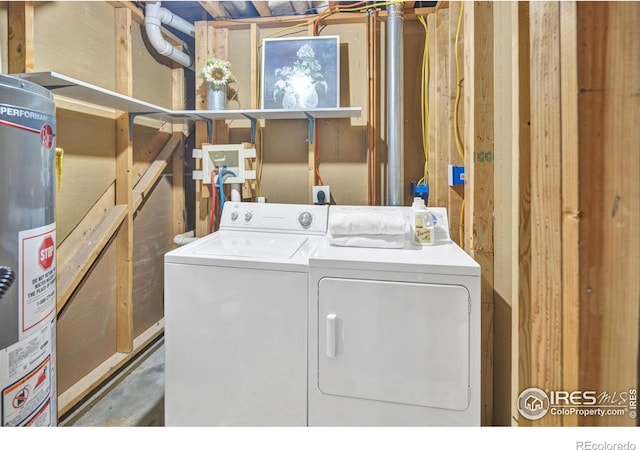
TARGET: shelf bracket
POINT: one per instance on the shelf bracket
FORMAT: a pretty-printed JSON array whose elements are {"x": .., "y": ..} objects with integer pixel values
[
  {"x": 312, "y": 126},
  {"x": 132, "y": 117},
  {"x": 253, "y": 127}
]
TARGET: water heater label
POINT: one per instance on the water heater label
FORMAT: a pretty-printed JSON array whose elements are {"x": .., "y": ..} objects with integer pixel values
[
  {"x": 29, "y": 120},
  {"x": 37, "y": 262},
  {"x": 28, "y": 394}
]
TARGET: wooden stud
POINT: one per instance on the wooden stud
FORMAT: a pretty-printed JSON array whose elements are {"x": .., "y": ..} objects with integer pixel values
[
  {"x": 442, "y": 115},
  {"x": 201, "y": 202},
  {"x": 609, "y": 286},
  {"x": 570, "y": 202},
  {"x": 433, "y": 108},
  {"x": 522, "y": 225},
  {"x": 546, "y": 203},
  {"x": 370, "y": 88},
  {"x": 455, "y": 194},
  {"x": 177, "y": 163},
  {"x": 312, "y": 148},
  {"x": 124, "y": 185},
  {"x": 220, "y": 50},
  {"x": 478, "y": 142},
  {"x": 21, "y": 33}
]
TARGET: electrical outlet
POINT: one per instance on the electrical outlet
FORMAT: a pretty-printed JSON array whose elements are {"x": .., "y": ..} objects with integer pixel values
[{"x": 316, "y": 196}]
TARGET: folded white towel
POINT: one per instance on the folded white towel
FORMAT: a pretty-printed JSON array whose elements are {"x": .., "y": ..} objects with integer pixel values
[
  {"x": 366, "y": 222},
  {"x": 371, "y": 241}
]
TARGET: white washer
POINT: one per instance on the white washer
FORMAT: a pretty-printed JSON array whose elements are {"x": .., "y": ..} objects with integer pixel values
[
  {"x": 236, "y": 318},
  {"x": 394, "y": 334}
]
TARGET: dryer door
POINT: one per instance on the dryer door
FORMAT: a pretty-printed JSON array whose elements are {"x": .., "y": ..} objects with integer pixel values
[{"x": 394, "y": 341}]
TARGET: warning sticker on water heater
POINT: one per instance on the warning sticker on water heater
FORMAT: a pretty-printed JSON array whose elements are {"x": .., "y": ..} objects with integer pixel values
[
  {"x": 27, "y": 396},
  {"x": 37, "y": 262}
]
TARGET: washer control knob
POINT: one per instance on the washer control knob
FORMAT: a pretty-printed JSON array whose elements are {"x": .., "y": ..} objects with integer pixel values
[
  {"x": 234, "y": 216},
  {"x": 305, "y": 219},
  {"x": 247, "y": 217}
]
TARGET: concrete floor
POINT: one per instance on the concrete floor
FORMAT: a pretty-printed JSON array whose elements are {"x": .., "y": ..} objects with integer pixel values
[{"x": 134, "y": 398}]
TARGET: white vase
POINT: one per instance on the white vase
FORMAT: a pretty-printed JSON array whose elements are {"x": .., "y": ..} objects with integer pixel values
[
  {"x": 289, "y": 100},
  {"x": 308, "y": 97},
  {"x": 216, "y": 97}
]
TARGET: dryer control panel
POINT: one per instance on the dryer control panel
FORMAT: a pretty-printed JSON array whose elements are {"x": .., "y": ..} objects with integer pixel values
[{"x": 275, "y": 217}]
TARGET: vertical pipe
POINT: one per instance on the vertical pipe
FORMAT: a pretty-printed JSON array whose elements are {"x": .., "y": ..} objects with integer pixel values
[{"x": 395, "y": 105}]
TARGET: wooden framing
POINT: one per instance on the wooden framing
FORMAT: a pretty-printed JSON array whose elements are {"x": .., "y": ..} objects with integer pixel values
[
  {"x": 124, "y": 185},
  {"x": 521, "y": 286},
  {"x": 21, "y": 32},
  {"x": 478, "y": 144},
  {"x": 608, "y": 49},
  {"x": 455, "y": 195},
  {"x": 570, "y": 201}
]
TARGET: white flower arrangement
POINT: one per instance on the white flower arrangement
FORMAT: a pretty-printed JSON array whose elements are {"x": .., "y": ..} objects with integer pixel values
[
  {"x": 305, "y": 73},
  {"x": 217, "y": 72}
]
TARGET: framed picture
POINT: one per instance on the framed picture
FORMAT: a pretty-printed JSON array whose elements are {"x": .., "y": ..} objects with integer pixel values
[{"x": 300, "y": 73}]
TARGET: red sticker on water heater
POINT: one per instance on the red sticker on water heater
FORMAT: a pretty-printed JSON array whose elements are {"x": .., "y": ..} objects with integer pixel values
[{"x": 46, "y": 135}]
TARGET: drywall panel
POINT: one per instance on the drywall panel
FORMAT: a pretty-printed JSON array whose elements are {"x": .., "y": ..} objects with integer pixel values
[
  {"x": 152, "y": 238},
  {"x": 76, "y": 39},
  {"x": 239, "y": 45},
  {"x": 342, "y": 159},
  {"x": 353, "y": 67},
  {"x": 87, "y": 326},
  {"x": 88, "y": 165},
  {"x": 284, "y": 174},
  {"x": 151, "y": 72}
]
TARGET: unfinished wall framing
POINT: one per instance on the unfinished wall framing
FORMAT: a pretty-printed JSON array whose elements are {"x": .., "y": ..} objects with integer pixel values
[
  {"x": 113, "y": 222},
  {"x": 349, "y": 155},
  {"x": 547, "y": 111}
]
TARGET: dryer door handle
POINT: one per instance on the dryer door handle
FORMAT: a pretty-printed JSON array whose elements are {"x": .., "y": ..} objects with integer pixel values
[{"x": 331, "y": 336}]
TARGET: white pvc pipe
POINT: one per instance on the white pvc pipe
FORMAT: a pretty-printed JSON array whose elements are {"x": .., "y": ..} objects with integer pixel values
[
  {"x": 176, "y": 22},
  {"x": 184, "y": 238},
  {"x": 152, "y": 23},
  {"x": 235, "y": 192}
]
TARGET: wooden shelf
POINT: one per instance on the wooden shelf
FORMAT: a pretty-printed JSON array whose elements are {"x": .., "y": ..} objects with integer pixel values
[{"x": 89, "y": 93}]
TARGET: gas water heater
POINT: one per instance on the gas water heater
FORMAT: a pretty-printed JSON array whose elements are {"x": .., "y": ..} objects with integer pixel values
[{"x": 27, "y": 255}]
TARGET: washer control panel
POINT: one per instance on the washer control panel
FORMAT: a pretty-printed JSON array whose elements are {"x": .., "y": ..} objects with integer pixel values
[{"x": 275, "y": 217}]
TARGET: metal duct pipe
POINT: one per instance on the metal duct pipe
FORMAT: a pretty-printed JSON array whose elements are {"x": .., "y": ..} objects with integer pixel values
[{"x": 395, "y": 105}]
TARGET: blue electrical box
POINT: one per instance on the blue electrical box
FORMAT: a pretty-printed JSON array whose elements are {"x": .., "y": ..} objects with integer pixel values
[
  {"x": 456, "y": 175},
  {"x": 420, "y": 190}
]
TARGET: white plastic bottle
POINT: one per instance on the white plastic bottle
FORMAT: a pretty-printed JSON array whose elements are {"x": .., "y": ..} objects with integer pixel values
[{"x": 422, "y": 223}]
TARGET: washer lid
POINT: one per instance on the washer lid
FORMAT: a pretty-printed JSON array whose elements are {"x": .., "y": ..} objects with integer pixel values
[
  {"x": 250, "y": 250},
  {"x": 271, "y": 246}
]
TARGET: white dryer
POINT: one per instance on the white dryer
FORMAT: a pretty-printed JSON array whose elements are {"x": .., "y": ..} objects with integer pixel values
[
  {"x": 236, "y": 318},
  {"x": 394, "y": 334}
]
